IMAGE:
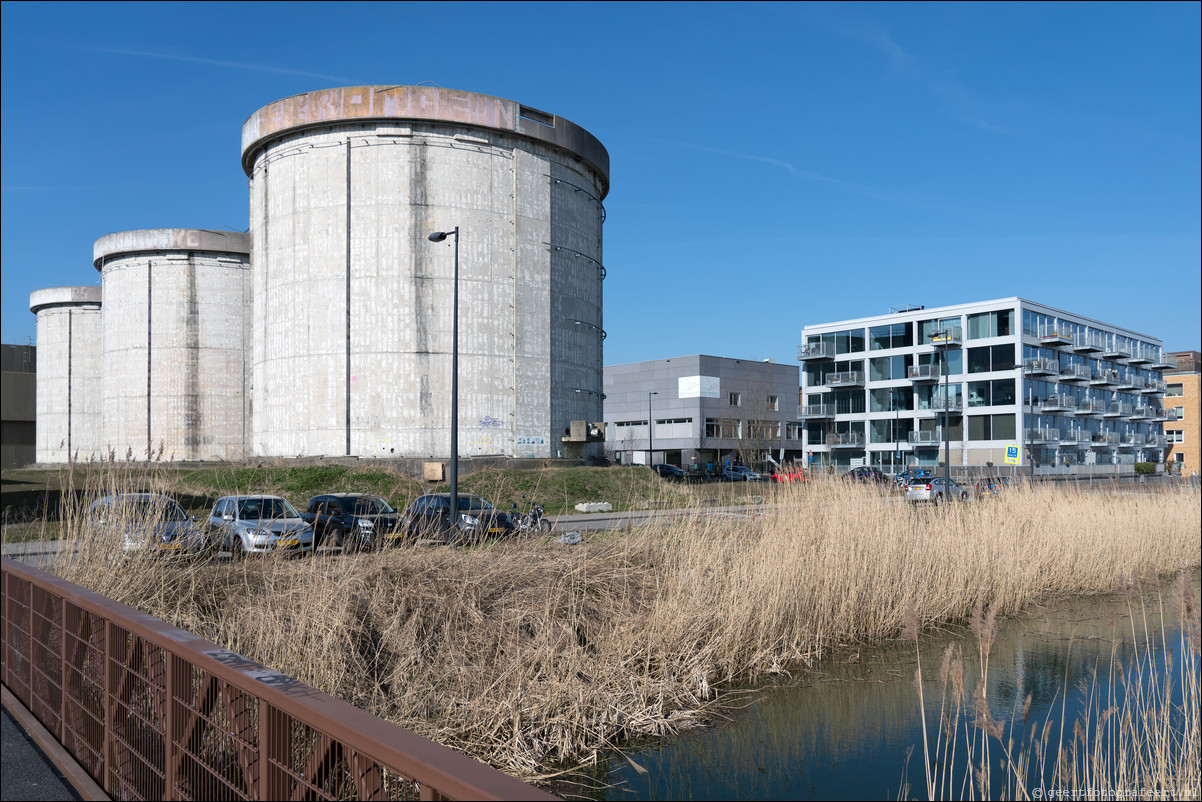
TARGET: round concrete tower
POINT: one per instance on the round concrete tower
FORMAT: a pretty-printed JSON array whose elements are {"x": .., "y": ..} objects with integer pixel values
[
  {"x": 352, "y": 331},
  {"x": 68, "y": 373},
  {"x": 174, "y": 346}
]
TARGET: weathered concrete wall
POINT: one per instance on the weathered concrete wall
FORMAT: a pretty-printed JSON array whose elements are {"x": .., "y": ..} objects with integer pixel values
[
  {"x": 68, "y": 373},
  {"x": 174, "y": 343},
  {"x": 352, "y": 331}
]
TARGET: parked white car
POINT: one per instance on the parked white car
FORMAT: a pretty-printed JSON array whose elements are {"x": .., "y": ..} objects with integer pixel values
[
  {"x": 258, "y": 524},
  {"x": 147, "y": 522},
  {"x": 935, "y": 490}
]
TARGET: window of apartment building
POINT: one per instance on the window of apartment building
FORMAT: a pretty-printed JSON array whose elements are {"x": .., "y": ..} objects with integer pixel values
[
  {"x": 888, "y": 368},
  {"x": 991, "y": 393},
  {"x": 723, "y": 428},
  {"x": 931, "y": 396},
  {"x": 991, "y": 357},
  {"x": 736, "y": 399},
  {"x": 889, "y": 431},
  {"x": 793, "y": 431},
  {"x": 1174, "y": 390},
  {"x": 764, "y": 430},
  {"x": 1179, "y": 413},
  {"x": 1174, "y": 435},
  {"x": 773, "y": 403},
  {"x": 890, "y": 399},
  {"x": 990, "y": 427},
  {"x": 928, "y": 328},
  {"x": 896, "y": 335},
  {"x": 673, "y": 428},
  {"x": 990, "y": 324},
  {"x": 848, "y": 402},
  {"x": 951, "y": 362}
]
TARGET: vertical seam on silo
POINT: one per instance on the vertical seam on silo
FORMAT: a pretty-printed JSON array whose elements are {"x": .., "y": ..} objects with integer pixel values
[
  {"x": 149, "y": 319},
  {"x": 249, "y": 405},
  {"x": 348, "y": 295},
  {"x": 513, "y": 225},
  {"x": 70, "y": 355}
]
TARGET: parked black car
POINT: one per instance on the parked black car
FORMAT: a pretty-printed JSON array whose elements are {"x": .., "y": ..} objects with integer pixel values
[
  {"x": 429, "y": 517},
  {"x": 355, "y": 521},
  {"x": 669, "y": 472},
  {"x": 866, "y": 474}
]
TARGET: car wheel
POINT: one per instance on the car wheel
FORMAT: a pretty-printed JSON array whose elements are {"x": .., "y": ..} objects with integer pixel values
[
  {"x": 354, "y": 543},
  {"x": 237, "y": 550},
  {"x": 938, "y": 499},
  {"x": 334, "y": 536},
  {"x": 964, "y": 496}
]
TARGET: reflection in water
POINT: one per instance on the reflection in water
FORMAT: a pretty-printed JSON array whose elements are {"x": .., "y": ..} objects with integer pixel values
[{"x": 845, "y": 733}]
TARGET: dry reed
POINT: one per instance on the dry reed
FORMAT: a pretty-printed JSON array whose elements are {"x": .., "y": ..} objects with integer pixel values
[{"x": 532, "y": 655}]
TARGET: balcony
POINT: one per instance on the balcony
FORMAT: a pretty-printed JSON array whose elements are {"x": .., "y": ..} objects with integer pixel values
[
  {"x": 1159, "y": 363},
  {"x": 1091, "y": 407},
  {"x": 1117, "y": 409},
  {"x": 1164, "y": 415},
  {"x": 1087, "y": 342},
  {"x": 1075, "y": 437},
  {"x": 1053, "y": 336},
  {"x": 1044, "y": 435},
  {"x": 1041, "y": 366},
  {"x": 1105, "y": 438},
  {"x": 923, "y": 373},
  {"x": 1141, "y": 356},
  {"x": 951, "y": 337},
  {"x": 1057, "y": 403},
  {"x": 1107, "y": 377},
  {"x": 1116, "y": 350},
  {"x": 1141, "y": 412},
  {"x": 1154, "y": 441},
  {"x": 924, "y": 439},
  {"x": 1153, "y": 387},
  {"x": 815, "y": 351},
  {"x": 1131, "y": 382},
  {"x": 1132, "y": 440},
  {"x": 845, "y": 378},
  {"x": 816, "y": 411},
  {"x": 1075, "y": 373},
  {"x": 845, "y": 440},
  {"x": 944, "y": 405}
]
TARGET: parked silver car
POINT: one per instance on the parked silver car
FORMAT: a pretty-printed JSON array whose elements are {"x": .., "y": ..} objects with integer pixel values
[
  {"x": 147, "y": 522},
  {"x": 935, "y": 490},
  {"x": 258, "y": 524}
]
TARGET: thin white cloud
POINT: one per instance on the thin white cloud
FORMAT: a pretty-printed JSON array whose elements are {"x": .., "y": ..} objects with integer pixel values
[{"x": 235, "y": 65}]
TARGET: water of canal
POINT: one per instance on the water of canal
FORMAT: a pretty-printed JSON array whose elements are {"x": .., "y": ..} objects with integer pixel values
[{"x": 845, "y": 730}]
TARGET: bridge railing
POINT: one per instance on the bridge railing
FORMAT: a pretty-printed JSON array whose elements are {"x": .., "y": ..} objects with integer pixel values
[{"x": 153, "y": 712}]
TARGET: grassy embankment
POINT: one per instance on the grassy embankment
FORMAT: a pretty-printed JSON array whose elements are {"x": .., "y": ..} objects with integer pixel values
[{"x": 531, "y": 655}]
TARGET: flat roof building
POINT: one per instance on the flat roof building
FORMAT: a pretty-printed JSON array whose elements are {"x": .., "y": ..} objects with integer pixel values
[
  {"x": 1183, "y": 429},
  {"x": 972, "y": 382},
  {"x": 707, "y": 411}
]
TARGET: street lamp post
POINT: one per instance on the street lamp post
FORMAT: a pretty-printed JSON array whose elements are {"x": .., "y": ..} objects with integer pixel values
[
  {"x": 650, "y": 434},
  {"x": 439, "y": 236}
]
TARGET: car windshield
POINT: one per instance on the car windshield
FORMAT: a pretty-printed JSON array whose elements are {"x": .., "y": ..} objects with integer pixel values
[
  {"x": 260, "y": 508},
  {"x": 473, "y": 503},
  {"x": 141, "y": 508},
  {"x": 372, "y": 505}
]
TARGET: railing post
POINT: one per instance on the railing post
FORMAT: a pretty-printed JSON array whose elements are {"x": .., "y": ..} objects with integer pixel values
[
  {"x": 106, "y": 756},
  {"x": 168, "y": 725}
]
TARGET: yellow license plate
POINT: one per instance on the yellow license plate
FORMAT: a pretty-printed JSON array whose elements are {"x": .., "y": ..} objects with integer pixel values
[
  {"x": 170, "y": 547},
  {"x": 289, "y": 542},
  {"x": 496, "y": 530}
]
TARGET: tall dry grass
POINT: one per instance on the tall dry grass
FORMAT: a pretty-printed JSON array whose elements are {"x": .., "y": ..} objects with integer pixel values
[{"x": 532, "y": 655}]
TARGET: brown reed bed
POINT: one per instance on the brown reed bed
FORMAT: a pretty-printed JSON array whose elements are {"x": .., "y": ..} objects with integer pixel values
[{"x": 534, "y": 656}]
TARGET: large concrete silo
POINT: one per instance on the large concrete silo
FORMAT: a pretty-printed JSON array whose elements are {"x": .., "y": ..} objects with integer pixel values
[
  {"x": 174, "y": 347},
  {"x": 353, "y": 304},
  {"x": 68, "y": 373}
]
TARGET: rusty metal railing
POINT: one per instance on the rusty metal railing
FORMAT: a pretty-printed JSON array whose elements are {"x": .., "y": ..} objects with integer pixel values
[{"x": 153, "y": 712}]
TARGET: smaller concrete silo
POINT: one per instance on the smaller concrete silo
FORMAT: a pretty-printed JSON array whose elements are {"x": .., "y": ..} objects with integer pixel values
[
  {"x": 174, "y": 346},
  {"x": 68, "y": 373}
]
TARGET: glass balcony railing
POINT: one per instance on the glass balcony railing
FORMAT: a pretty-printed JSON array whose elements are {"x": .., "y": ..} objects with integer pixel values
[
  {"x": 1041, "y": 366},
  {"x": 817, "y": 411},
  {"x": 1057, "y": 402},
  {"x": 1133, "y": 440},
  {"x": 948, "y": 336},
  {"x": 923, "y": 373},
  {"x": 1105, "y": 438},
  {"x": 1091, "y": 407},
  {"x": 816, "y": 351},
  {"x": 1072, "y": 437},
  {"x": 1153, "y": 387},
  {"x": 1117, "y": 410},
  {"x": 1113, "y": 349},
  {"x": 924, "y": 438},
  {"x": 1106, "y": 377},
  {"x": 1141, "y": 412},
  {"x": 1087, "y": 342},
  {"x": 1075, "y": 373},
  {"x": 1043, "y": 435},
  {"x": 845, "y": 378},
  {"x": 1131, "y": 381},
  {"x": 1055, "y": 335},
  {"x": 845, "y": 440}
]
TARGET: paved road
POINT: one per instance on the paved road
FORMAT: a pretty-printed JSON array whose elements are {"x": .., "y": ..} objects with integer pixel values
[{"x": 25, "y": 771}]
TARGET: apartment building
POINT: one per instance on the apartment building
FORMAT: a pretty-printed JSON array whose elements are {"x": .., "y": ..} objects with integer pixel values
[
  {"x": 1184, "y": 427},
  {"x": 992, "y": 382}
]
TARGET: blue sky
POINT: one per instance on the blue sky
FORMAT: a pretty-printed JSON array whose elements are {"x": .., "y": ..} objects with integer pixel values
[{"x": 773, "y": 165}]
